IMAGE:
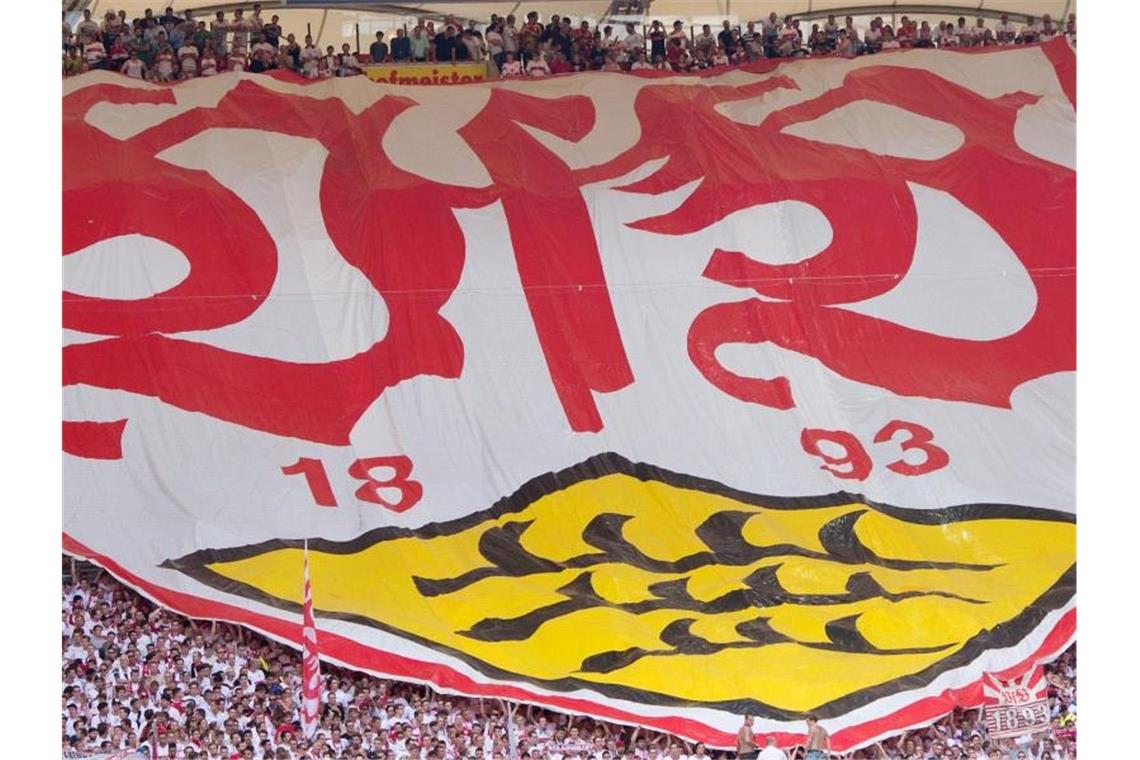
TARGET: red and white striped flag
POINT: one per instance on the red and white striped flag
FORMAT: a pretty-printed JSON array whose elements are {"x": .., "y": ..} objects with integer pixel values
[{"x": 310, "y": 663}]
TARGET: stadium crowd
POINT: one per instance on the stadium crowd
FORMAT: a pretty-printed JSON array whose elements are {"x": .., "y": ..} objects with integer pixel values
[
  {"x": 141, "y": 681},
  {"x": 172, "y": 46}
]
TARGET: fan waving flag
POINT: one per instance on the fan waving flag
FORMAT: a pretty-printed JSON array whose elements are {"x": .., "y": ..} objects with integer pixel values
[
  {"x": 310, "y": 660},
  {"x": 660, "y": 399},
  {"x": 1017, "y": 707}
]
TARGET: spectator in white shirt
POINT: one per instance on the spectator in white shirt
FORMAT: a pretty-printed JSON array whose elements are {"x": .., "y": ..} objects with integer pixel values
[
  {"x": 1005, "y": 31},
  {"x": 771, "y": 751}
]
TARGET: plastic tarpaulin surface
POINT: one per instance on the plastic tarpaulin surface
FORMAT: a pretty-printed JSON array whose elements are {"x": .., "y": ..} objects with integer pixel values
[{"x": 661, "y": 399}]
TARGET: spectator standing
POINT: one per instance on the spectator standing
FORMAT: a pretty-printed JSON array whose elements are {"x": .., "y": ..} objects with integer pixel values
[
  {"x": 633, "y": 43},
  {"x": 164, "y": 64},
  {"x": 262, "y": 54},
  {"x": 678, "y": 33},
  {"x": 511, "y": 68},
  {"x": 66, "y": 32},
  {"x": 924, "y": 38},
  {"x": 87, "y": 29},
  {"x": 963, "y": 31},
  {"x": 789, "y": 38},
  {"x": 494, "y": 40},
  {"x": 831, "y": 32},
  {"x": 746, "y": 740},
  {"x": 817, "y": 41},
  {"x": 1031, "y": 31},
  {"x": 906, "y": 33},
  {"x": 537, "y": 67},
  {"x": 657, "y": 40},
  {"x": 559, "y": 64},
  {"x": 853, "y": 34},
  {"x": 873, "y": 37},
  {"x": 771, "y": 31},
  {"x": 472, "y": 45},
  {"x": 378, "y": 50},
  {"x": 676, "y": 55},
  {"x": 529, "y": 34},
  {"x": 724, "y": 37},
  {"x": 418, "y": 44},
  {"x": 95, "y": 54},
  {"x": 200, "y": 37},
  {"x": 219, "y": 29},
  {"x": 272, "y": 31},
  {"x": 753, "y": 42},
  {"x": 118, "y": 54},
  {"x": 188, "y": 60},
  {"x": 401, "y": 46},
  {"x": 135, "y": 67},
  {"x": 169, "y": 17},
  {"x": 349, "y": 63},
  {"x": 818, "y": 740},
  {"x": 241, "y": 28},
  {"x": 1005, "y": 32},
  {"x": 510, "y": 36},
  {"x": 705, "y": 41},
  {"x": 209, "y": 63},
  {"x": 237, "y": 60},
  {"x": 771, "y": 751},
  {"x": 845, "y": 48},
  {"x": 293, "y": 49},
  {"x": 309, "y": 57},
  {"x": 73, "y": 62},
  {"x": 980, "y": 32},
  {"x": 444, "y": 45}
]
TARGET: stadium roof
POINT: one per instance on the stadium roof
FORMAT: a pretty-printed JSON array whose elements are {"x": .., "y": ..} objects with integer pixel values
[
  {"x": 745, "y": 9},
  {"x": 356, "y": 21}
]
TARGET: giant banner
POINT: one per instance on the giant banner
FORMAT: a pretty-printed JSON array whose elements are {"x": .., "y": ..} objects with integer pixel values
[{"x": 660, "y": 399}]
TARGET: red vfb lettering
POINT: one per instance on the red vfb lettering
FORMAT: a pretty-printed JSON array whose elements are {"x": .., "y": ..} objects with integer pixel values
[
  {"x": 316, "y": 478},
  {"x": 856, "y": 190},
  {"x": 121, "y": 187},
  {"x": 365, "y": 201}
]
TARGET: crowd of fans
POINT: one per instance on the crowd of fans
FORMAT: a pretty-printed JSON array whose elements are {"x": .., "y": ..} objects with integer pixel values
[
  {"x": 139, "y": 679},
  {"x": 171, "y": 46}
]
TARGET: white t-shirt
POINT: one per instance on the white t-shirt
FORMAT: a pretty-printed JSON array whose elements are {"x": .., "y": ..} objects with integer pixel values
[
  {"x": 538, "y": 67},
  {"x": 263, "y": 51},
  {"x": 310, "y": 54},
  {"x": 772, "y": 753},
  {"x": 240, "y": 28},
  {"x": 510, "y": 39},
  {"x": 494, "y": 43},
  {"x": 134, "y": 68},
  {"x": 94, "y": 52}
]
